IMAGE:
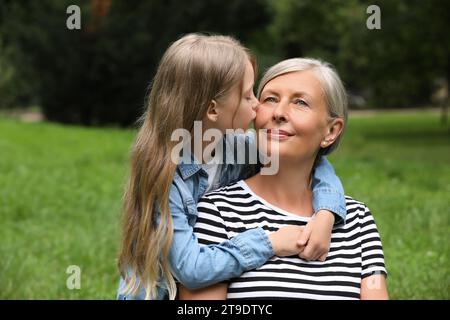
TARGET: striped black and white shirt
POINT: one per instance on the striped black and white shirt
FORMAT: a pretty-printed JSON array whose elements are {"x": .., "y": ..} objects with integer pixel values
[{"x": 355, "y": 251}]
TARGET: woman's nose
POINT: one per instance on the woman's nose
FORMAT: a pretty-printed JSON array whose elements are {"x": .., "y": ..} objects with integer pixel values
[{"x": 280, "y": 112}]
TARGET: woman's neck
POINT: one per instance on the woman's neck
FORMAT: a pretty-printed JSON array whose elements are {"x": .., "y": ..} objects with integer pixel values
[{"x": 288, "y": 189}]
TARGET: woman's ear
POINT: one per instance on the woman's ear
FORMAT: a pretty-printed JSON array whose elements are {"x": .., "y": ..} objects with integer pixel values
[
  {"x": 212, "y": 113},
  {"x": 334, "y": 130}
]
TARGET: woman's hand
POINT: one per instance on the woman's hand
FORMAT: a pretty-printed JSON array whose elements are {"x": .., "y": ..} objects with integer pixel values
[
  {"x": 316, "y": 237},
  {"x": 285, "y": 241}
]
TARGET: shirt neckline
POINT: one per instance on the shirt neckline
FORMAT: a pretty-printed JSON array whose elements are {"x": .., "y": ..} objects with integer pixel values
[{"x": 246, "y": 187}]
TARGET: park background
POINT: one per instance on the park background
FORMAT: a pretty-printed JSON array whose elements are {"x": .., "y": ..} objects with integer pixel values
[{"x": 69, "y": 101}]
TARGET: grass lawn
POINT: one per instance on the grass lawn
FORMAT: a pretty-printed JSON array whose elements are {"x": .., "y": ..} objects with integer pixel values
[{"x": 61, "y": 189}]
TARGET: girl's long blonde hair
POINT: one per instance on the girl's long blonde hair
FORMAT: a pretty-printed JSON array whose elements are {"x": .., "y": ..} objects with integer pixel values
[{"x": 193, "y": 71}]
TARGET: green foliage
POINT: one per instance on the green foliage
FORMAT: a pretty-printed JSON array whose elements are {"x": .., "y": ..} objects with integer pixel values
[
  {"x": 100, "y": 74},
  {"x": 61, "y": 200},
  {"x": 15, "y": 90},
  {"x": 392, "y": 67}
]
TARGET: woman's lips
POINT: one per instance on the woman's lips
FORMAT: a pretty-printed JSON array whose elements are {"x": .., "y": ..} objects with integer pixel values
[{"x": 278, "y": 134}]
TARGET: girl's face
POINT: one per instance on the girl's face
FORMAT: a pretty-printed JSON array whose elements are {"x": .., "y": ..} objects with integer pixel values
[
  {"x": 294, "y": 112},
  {"x": 237, "y": 110}
]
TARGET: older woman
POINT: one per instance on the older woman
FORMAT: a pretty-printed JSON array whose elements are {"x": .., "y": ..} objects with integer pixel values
[{"x": 302, "y": 110}]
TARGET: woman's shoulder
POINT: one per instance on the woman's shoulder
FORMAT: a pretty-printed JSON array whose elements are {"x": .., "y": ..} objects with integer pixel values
[
  {"x": 231, "y": 188},
  {"x": 350, "y": 201},
  {"x": 229, "y": 193},
  {"x": 211, "y": 203},
  {"x": 357, "y": 211},
  {"x": 356, "y": 208}
]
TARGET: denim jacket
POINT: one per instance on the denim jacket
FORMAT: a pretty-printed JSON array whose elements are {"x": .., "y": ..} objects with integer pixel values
[{"x": 198, "y": 266}]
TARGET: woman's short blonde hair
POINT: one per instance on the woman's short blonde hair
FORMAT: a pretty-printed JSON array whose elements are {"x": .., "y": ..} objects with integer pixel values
[{"x": 334, "y": 91}]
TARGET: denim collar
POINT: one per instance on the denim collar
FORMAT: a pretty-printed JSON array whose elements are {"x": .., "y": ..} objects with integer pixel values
[{"x": 188, "y": 169}]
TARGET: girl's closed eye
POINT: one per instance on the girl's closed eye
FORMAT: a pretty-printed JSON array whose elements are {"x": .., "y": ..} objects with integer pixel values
[{"x": 250, "y": 95}]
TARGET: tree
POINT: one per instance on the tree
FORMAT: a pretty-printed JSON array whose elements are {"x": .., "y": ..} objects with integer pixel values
[
  {"x": 391, "y": 67},
  {"x": 100, "y": 74}
]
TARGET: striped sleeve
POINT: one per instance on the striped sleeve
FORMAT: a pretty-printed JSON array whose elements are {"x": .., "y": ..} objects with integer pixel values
[
  {"x": 210, "y": 226},
  {"x": 371, "y": 247}
]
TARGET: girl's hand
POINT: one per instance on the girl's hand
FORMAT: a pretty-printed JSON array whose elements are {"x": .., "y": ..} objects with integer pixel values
[
  {"x": 285, "y": 241},
  {"x": 316, "y": 237}
]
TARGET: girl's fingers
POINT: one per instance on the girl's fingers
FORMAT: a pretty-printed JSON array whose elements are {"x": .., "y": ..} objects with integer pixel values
[
  {"x": 323, "y": 257},
  {"x": 304, "y": 237}
]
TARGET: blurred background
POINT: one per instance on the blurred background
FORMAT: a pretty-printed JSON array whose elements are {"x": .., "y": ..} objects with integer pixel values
[{"x": 69, "y": 100}]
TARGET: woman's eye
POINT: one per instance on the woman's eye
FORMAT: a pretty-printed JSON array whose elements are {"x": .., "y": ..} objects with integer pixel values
[
  {"x": 301, "y": 102},
  {"x": 269, "y": 99}
]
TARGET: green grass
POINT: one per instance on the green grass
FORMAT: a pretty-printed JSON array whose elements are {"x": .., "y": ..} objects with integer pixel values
[
  {"x": 60, "y": 204},
  {"x": 399, "y": 165},
  {"x": 61, "y": 189}
]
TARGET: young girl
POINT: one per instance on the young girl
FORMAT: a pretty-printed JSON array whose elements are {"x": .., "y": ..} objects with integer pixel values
[{"x": 208, "y": 79}]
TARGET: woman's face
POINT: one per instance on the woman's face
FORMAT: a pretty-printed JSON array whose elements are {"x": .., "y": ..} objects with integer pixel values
[
  {"x": 238, "y": 107},
  {"x": 294, "y": 112}
]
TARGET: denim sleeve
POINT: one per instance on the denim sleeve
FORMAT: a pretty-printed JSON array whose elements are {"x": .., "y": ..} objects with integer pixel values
[
  {"x": 197, "y": 266},
  {"x": 328, "y": 193}
]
